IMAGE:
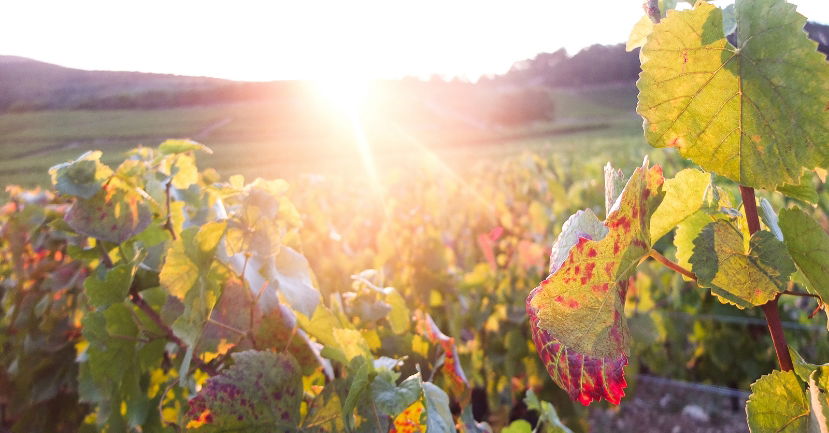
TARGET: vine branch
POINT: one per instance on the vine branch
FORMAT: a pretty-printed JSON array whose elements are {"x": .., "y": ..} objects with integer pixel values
[
  {"x": 168, "y": 332},
  {"x": 778, "y": 338}
]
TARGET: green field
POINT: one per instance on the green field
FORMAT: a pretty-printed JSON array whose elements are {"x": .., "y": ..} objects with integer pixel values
[{"x": 270, "y": 139}]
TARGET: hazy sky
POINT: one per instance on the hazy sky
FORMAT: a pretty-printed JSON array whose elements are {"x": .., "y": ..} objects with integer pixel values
[{"x": 265, "y": 40}]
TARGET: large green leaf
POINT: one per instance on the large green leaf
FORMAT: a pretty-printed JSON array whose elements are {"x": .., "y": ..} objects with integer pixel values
[
  {"x": 686, "y": 232},
  {"x": 684, "y": 195},
  {"x": 438, "y": 416},
  {"x": 777, "y": 404},
  {"x": 260, "y": 393},
  {"x": 113, "y": 288},
  {"x": 112, "y": 215},
  {"x": 82, "y": 177},
  {"x": 808, "y": 245},
  {"x": 736, "y": 276},
  {"x": 754, "y": 113},
  {"x": 577, "y": 313}
]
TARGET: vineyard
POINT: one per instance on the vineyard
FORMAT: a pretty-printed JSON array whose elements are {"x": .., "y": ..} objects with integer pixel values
[{"x": 544, "y": 290}]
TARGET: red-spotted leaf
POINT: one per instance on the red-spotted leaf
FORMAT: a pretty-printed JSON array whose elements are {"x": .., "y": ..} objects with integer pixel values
[
  {"x": 577, "y": 313},
  {"x": 112, "y": 214},
  {"x": 451, "y": 364},
  {"x": 261, "y": 392}
]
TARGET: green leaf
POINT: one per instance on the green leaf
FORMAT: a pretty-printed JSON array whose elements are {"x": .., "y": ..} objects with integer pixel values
[
  {"x": 548, "y": 416},
  {"x": 438, "y": 416},
  {"x": 326, "y": 413},
  {"x": 260, "y": 393},
  {"x": 577, "y": 314},
  {"x": 112, "y": 289},
  {"x": 112, "y": 215},
  {"x": 641, "y": 30},
  {"x": 392, "y": 399},
  {"x": 400, "y": 317},
  {"x": 179, "y": 273},
  {"x": 739, "y": 277},
  {"x": 184, "y": 172},
  {"x": 739, "y": 111},
  {"x": 359, "y": 385},
  {"x": 293, "y": 276},
  {"x": 804, "y": 191},
  {"x": 82, "y": 177},
  {"x": 518, "y": 426},
  {"x": 684, "y": 195},
  {"x": 808, "y": 244},
  {"x": 169, "y": 147},
  {"x": 777, "y": 404},
  {"x": 686, "y": 232}
]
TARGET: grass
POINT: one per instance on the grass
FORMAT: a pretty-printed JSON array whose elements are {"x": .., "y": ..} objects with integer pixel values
[{"x": 271, "y": 140}]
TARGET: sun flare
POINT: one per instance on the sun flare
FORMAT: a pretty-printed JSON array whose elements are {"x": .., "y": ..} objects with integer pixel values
[{"x": 346, "y": 95}]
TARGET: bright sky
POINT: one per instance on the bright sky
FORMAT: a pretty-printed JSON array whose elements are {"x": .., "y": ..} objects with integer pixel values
[{"x": 308, "y": 39}]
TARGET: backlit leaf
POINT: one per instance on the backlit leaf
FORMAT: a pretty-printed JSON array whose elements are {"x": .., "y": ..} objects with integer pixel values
[
  {"x": 577, "y": 314},
  {"x": 684, "y": 195},
  {"x": 736, "y": 276},
  {"x": 82, "y": 177},
  {"x": 777, "y": 404},
  {"x": 742, "y": 112},
  {"x": 640, "y": 33},
  {"x": 261, "y": 392},
  {"x": 293, "y": 275},
  {"x": 808, "y": 244},
  {"x": 112, "y": 215},
  {"x": 169, "y": 147}
]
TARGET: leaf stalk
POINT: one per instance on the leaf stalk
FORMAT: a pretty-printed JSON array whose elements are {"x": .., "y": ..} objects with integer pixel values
[{"x": 770, "y": 309}]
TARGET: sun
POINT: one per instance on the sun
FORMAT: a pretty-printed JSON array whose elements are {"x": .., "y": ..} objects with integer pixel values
[{"x": 346, "y": 95}]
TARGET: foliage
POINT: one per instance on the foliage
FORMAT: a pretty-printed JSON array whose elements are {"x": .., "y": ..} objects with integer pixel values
[{"x": 736, "y": 110}]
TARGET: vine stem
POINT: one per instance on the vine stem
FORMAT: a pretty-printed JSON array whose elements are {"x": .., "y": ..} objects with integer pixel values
[
  {"x": 770, "y": 309},
  {"x": 168, "y": 332},
  {"x": 671, "y": 265}
]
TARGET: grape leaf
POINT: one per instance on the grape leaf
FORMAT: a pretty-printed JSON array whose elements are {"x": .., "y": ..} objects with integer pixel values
[
  {"x": 409, "y": 421},
  {"x": 261, "y": 392},
  {"x": 777, "y": 404},
  {"x": 641, "y": 30},
  {"x": 173, "y": 146},
  {"x": 804, "y": 191},
  {"x": 113, "y": 288},
  {"x": 686, "y": 232},
  {"x": 112, "y": 215},
  {"x": 451, "y": 364},
  {"x": 82, "y": 177},
  {"x": 614, "y": 183},
  {"x": 576, "y": 314},
  {"x": 684, "y": 195},
  {"x": 547, "y": 414},
  {"x": 393, "y": 399},
  {"x": 293, "y": 276},
  {"x": 742, "y": 112},
  {"x": 438, "y": 415},
  {"x": 808, "y": 244},
  {"x": 736, "y": 276}
]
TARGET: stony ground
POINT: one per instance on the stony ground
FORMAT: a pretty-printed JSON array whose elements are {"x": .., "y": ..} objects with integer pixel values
[{"x": 662, "y": 408}]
